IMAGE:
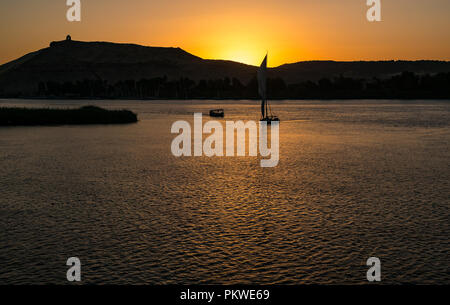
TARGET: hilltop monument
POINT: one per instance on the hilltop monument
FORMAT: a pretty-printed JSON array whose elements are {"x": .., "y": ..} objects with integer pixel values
[{"x": 56, "y": 43}]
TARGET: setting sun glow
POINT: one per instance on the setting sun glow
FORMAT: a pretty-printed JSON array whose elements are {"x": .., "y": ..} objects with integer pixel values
[{"x": 243, "y": 31}]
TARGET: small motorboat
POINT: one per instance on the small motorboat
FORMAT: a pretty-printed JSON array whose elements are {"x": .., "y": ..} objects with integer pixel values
[{"x": 217, "y": 113}]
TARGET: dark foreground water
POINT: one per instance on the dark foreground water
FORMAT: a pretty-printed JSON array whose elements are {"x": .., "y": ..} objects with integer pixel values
[{"x": 356, "y": 179}]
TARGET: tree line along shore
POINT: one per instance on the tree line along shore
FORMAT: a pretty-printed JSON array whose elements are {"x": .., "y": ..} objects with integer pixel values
[{"x": 406, "y": 85}]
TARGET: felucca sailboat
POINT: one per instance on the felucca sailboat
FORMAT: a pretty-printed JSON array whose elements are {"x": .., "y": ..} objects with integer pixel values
[{"x": 266, "y": 112}]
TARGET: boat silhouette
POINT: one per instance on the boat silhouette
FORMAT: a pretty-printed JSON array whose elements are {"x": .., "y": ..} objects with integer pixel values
[
  {"x": 266, "y": 111},
  {"x": 218, "y": 113}
]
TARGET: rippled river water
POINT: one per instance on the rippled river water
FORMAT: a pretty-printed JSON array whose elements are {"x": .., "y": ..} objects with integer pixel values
[{"x": 356, "y": 179}]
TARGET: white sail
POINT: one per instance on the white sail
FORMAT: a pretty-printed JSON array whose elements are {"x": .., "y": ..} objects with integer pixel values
[{"x": 262, "y": 84}]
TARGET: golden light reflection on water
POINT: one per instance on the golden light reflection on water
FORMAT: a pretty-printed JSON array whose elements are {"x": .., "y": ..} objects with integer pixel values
[{"x": 354, "y": 178}]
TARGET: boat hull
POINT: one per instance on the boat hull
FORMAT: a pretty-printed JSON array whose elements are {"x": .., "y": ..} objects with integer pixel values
[
  {"x": 269, "y": 120},
  {"x": 218, "y": 113}
]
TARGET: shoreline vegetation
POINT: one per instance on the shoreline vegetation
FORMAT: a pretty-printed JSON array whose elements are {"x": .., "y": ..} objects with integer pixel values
[
  {"x": 87, "y": 115},
  {"x": 406, "y": 85}
]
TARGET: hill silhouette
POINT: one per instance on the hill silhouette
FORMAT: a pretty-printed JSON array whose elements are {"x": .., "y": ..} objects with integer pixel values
[
  {"x": 316, "y": 70},
  {"x": 110, "y": 70},
  {"x": 70, "y": 61}
]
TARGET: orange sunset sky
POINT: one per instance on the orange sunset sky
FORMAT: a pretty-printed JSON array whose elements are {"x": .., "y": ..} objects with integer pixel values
[{"x": 240, "y": 30}]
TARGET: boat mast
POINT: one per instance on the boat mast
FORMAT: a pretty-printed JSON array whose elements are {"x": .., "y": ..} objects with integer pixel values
[
  {"x": 262, "y": 84},
  {"x": 263, "y": 108}
]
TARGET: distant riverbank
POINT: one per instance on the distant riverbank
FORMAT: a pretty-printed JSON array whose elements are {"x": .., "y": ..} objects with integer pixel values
[{"x": 406, "y": 85}]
